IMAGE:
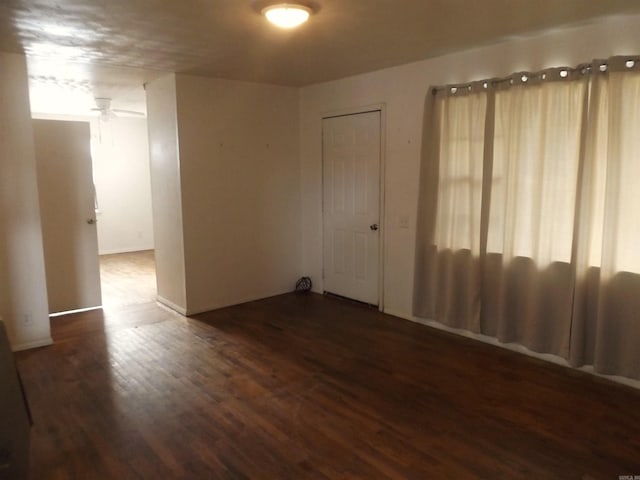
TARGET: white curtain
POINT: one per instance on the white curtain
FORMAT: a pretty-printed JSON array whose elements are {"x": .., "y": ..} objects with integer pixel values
[
  {"x": 460, "y": 177},
  {"x": 527, "y": 281},
  {"x": 535, "y": 170},
  {"x": 606, "y": 317},
  {"x": 528, "y": 229},
  {"x": 451, "y": 275}
]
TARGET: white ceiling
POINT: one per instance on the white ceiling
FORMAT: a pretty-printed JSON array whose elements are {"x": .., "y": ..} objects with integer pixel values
[{"x": 111, "y": 47}]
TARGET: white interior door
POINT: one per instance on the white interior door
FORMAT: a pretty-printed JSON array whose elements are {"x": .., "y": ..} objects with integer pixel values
[
  {"x": 351, "y": 205},
  {"x": 67, "y": 209}
]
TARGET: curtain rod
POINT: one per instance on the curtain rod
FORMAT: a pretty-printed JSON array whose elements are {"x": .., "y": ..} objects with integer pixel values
[{"x": 523, "y": 77}]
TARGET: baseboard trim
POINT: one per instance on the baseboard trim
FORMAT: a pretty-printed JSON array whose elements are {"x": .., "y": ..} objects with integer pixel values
[
  {"x": 514, "y": 347},
  {"x": 187, "y": 312},
  {"x": 111, "y": 251},
  {"x": 240, "y": 301},
  {"x": 71, "y": 312},
  {"x": 44, "y": 342},
  {"x": 171, "y": 305}
]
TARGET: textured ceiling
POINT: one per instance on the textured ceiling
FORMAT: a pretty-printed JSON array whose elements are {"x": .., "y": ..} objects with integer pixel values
[{"x": 230, "y": 39}]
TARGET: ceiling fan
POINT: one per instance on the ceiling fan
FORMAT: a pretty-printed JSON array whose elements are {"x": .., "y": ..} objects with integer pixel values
[{"x": 103, "y": 107}]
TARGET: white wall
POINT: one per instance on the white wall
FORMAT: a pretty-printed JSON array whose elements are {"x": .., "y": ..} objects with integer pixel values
[
  {"x": 403, "y": 90},
  {"x": 120, "y": 152},
  {"x": 23, "y": 294},
  {"x": 240, "y": 190},
  {"x": 162, "y": 121}
]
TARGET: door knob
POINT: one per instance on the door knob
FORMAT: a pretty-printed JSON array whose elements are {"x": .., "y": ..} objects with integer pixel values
[
  {"x": 374, "y": 227},
  {"x": 91, "y": 221}
]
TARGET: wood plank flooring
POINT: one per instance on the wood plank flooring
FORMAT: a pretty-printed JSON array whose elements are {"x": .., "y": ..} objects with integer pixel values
[
  {"x": 128, "y": 278},
  {"x": 310, "y": 387}
]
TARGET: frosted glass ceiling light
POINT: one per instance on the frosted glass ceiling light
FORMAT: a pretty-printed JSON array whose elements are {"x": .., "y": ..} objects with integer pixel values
[{"x": 287, "y": 15}]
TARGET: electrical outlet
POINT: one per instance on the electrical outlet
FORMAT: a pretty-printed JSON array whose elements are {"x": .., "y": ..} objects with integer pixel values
[
  {"x": 403, "y": 221},
  {"x": 27, "y": 319}
]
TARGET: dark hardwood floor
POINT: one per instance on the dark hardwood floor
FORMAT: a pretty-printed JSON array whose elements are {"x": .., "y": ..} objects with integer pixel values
[{"x": 309, "y": 387}]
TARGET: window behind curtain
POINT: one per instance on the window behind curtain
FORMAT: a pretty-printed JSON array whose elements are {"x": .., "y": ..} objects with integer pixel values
[
  {"x": 462, "y": 128},
  {"x": 535, "y": 170},
  {"x": 615, "y": 225},
  {"x": 560, "y": 273}
]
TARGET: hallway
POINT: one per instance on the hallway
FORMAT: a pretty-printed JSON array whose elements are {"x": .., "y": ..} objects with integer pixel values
[{"x": 128, "y": 278}]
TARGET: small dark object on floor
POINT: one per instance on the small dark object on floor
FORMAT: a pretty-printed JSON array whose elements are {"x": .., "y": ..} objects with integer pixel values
[{"x": 303, "y": 285}]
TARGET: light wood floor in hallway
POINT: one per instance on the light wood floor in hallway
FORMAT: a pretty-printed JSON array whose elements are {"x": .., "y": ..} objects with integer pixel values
[
  {"x": 128, "y": 278},
  {"x": 310, "y": 387}
]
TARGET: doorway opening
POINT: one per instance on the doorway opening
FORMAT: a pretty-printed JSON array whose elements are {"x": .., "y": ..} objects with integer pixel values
[
  {"x": 95, "y": 194},
  {"x": 121, "y": 176}
]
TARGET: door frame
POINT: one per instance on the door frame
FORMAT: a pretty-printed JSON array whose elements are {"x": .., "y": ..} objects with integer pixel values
[{"x": 377, "y": 107}]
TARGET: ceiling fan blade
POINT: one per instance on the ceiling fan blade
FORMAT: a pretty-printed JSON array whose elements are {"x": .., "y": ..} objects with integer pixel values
[{"x": 128, "y": 112}]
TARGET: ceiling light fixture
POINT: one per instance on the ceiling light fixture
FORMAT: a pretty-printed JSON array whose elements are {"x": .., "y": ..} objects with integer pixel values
[{"x": 287, "y": 15}]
